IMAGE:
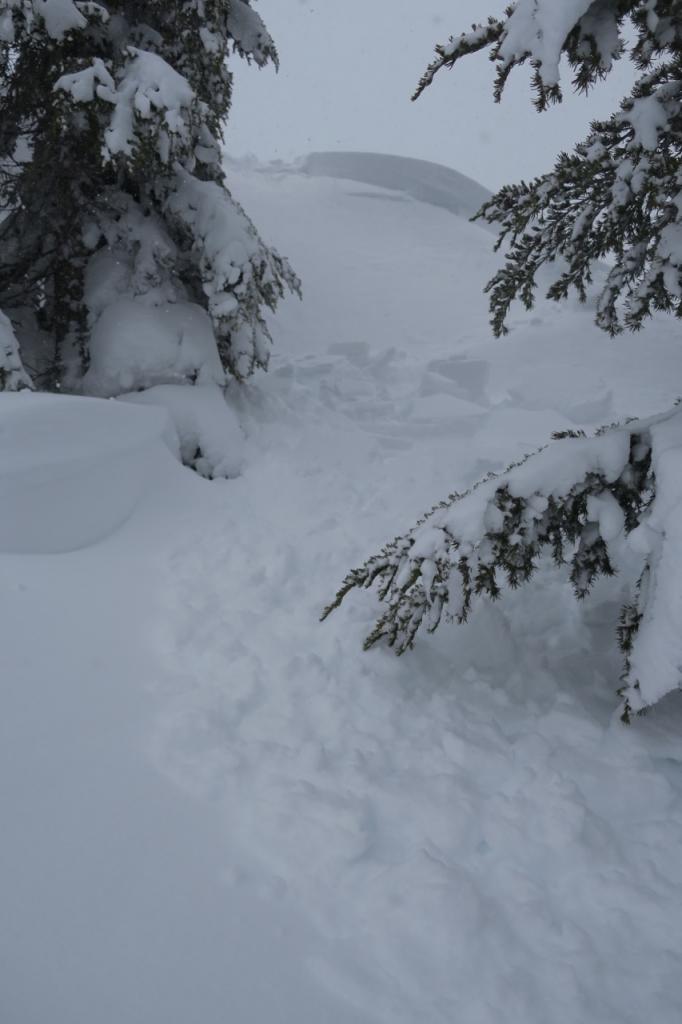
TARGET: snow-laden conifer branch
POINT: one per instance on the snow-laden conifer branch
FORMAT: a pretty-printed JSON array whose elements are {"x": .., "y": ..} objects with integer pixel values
[
  {"x": 577, "y": 498},
  {"x": 619, "y": 193},
  {"x": 447, "y": 54},
  {"x": 239, "y": 275},
  {"x": 249, "y": 35},
  {"x": 587, "y": 32}
]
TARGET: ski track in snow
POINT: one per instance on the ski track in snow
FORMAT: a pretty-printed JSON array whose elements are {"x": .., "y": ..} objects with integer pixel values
[{"x": 467, "y": 826}]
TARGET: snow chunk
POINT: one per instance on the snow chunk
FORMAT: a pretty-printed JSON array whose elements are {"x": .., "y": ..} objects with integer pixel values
[
  {"x": 148, "y": 84},
  {"x": 541, "y": 27},
  {"x": 60, "y": 16},
  {"x": 553, "y": 470},
  {"x": 137, "y": 346},
  {"x": 13, "y": 376},
  {"x": 607, "y": 513},
  {"x": 247, "y": 29},
  {"x": 656, "y": 659},
  {"x": 134, "y": 265},
  {"x": 648, "y": 117},
  {"x": 210, "y": 437},
  {"x": 57, "y": 16},
  {"x": 71, "y": 469},
  {"x": 84, "y": 85},
  {"x": 556, "y": 468}
]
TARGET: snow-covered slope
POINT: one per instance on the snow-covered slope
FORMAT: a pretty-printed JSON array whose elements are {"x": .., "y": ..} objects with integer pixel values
[{"x": 215, "y": 809}]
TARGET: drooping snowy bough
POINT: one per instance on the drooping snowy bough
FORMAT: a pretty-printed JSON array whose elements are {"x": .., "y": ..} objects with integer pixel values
[
  {"x": 578, "y": 498},
  {"x": 113, "y": 192},
  {"x": 618, "y": 195}
]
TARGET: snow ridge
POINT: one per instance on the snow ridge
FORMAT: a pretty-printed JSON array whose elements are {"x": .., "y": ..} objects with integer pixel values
[{"x": 422, "y": 180}]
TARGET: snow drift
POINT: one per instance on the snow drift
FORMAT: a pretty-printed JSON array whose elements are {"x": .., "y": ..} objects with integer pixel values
[
  {"x": 420, "y": 179},
  {"x": 72, "y": 469},
  {"x": 209, "y": 436}
]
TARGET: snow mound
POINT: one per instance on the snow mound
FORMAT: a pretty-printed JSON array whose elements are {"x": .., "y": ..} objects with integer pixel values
[
  {"x": 71, "y": 469},
  {"x": 137, "y": 346},
  {"x": 427, "y": 182},
  {"x": 210, "y": 437}
]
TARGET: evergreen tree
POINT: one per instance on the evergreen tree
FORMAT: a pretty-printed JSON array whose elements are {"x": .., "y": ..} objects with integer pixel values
[
  {"x": 618, "y": 195},
  {"x": 112, "y": 184}
]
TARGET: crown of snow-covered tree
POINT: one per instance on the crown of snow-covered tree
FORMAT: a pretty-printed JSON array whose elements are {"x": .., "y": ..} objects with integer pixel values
[{"x": 111, "y": 119}]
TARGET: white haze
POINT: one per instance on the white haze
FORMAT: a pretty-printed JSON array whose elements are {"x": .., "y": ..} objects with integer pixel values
[{"x": 347, "y": 73}]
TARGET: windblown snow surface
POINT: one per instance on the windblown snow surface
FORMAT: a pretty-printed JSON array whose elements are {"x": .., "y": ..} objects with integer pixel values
[{"x": 216, "y": 810}]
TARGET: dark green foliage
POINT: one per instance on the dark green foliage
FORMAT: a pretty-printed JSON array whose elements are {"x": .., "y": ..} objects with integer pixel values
[
  {"x": 107, "y": 112},
  {"x": 617, "y": 194},
  {"x": 418, "y": 588}
]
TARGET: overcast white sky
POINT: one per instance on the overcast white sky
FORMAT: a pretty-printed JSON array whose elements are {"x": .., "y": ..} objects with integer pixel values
[{"x": 349, "y": 67}]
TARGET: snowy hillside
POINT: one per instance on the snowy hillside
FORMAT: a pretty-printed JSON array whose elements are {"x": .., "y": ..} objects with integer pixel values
[{"x": 215, "y": 808}]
